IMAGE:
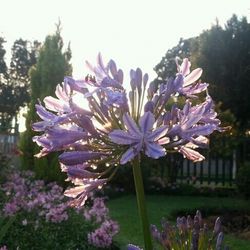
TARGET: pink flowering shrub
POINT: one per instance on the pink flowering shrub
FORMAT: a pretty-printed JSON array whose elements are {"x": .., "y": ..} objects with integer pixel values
[
  {"x": 30, "y": 195},
  {"x": 39, "y": 205},
  {"x": 107, "y": 228}
]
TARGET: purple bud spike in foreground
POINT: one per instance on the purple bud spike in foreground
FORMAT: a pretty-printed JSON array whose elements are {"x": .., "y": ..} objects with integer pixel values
[{"x": 112, "y": 126}]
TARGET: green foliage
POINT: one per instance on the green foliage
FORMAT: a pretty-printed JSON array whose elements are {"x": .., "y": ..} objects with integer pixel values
[
  {"x": 5, "y": 224},
  {"x": 167, "y": 66},
  {"x": 52, "y": 65},
  {"x": 15, "y": 80},
  {"x": 3, "y": 66},
  {"x": 243, "y": 179},
  {"x": 123, "y": 210},
  {"x": 223, "y": 53},
  {"x": 4, "y": 163},
  {"x": 70, "y": 234}
]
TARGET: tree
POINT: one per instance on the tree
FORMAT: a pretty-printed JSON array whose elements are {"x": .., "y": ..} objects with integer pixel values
[
  {"x": 52, "y": 65},
  {"x": 224, "y": 54},
  {"x": 167, "y": 66},
  {"x": 4, "y": 120},
  {"x": 15, "y": 81}
]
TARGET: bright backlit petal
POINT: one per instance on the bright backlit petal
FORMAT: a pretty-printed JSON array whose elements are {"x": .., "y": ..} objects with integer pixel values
[
  {"x": 192, "y": 77},
  {"x": 146, "y": 122}
]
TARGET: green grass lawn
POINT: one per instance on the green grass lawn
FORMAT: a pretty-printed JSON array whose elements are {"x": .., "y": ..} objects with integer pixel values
[{"x": 124, "y": 210}]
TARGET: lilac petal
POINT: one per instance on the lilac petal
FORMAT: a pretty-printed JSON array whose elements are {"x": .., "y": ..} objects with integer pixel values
[
  {"x": 149, "y": 107},
  {"x": 83, "y": 166},
  {"x": 80, "y": 201},
  {"x": 145, "y": 80},
  {"x": 191, "y": 154},
  {"x": 152, "y": 88},
  {"x": 112, "y": 67},
  {"x": 42, "y": 153},
  {"x": 77, "y": 85},
  {"x": 80, "y": 173},
  {"x": 122, "y": 137},
  {"x": 146, "y": 122},
  {"x": 43, "y": 113},
  {"x": 138, "y": 79},
  {"x": 119, "y": 76},
  {"x": 100, "y": 62},
  {"x": 163, "y": 141},
  {"x": 194, "y": 89},
  {"x": 61, "y": 132},
  {"x": 41, "y": 126},
  {"x": 86, "y": 123},
  {"x": 133, "y": 247},
  {"x": 186, "y": 108},
  {"x": 42, "y": 141},
  {"x": 200, "y": 130},
  {"x": 62, "y": 92},
  {"x": 185, "y": 67},
  {"x": 200, "y": 141},
  {"x": 74, "y": 192},
  {"x": 130, "y": 153},
  {"x": 158, "y": 133},
  {"x": 132, "y": 79},
  {"x": 193, "y": 117},
  {"x": 78, "y": 157},
  {"x": 79, "y": 110},
  {"x": 219, "y": 240},
  {"x": 154, "y": 150},
  {"x": 116, "y": 98},
  {"x": 130, "y": 124},
  {"x": 175, "y": 130},
  {"x": 192, "y": 77},
  {"x": 56, "y": 105},
  {"x": 217, "y": 226},
  {"x": 62, "y": 137},
  {"x": 109, "y": 82},
  {"x": 177, "y": 83},
  {"x": 89, "y": 66},
  {"x": 81, "y": 192}
]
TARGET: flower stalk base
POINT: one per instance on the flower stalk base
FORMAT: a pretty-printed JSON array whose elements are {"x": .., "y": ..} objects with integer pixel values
[{"x": 141, "y": 203}]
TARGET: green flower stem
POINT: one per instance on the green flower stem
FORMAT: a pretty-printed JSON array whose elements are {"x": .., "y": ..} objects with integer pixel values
[{"x": 141, "y": 203}]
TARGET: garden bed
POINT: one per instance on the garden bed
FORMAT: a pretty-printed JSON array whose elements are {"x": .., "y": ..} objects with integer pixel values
[{"x": 124, "y": 211}]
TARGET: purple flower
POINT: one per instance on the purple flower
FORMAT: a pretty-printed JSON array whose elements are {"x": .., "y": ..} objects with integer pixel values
[
  {"x": 57, "y": 138},
  {"x": 116, "y": 125},
  {"x": 140, "y": 138},
  {"x": 133, "y": 247},
  {"x": 81, "y": 191},
  {"x": 34, "y": 196}
]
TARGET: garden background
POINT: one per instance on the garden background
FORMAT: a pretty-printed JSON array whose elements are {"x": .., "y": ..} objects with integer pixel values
[{"x": 34, "y": 212}]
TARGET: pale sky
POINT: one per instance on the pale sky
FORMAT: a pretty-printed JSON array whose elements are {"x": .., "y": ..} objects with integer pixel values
[
  {"x": 135, "y": 33},
  {"x": 132, "y": 32}
]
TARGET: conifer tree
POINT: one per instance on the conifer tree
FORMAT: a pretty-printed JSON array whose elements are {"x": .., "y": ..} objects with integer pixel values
[{"x": 52, "y": 65}]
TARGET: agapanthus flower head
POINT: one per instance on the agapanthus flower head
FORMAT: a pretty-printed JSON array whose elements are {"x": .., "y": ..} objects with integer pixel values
[{"x": 100, "y": 124}]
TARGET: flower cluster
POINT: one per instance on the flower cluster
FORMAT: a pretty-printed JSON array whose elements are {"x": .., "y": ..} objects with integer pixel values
[
  {"x": 47, "y": 202},
  {"x": 100, "y": 125},
  {"x": 99, "y": 214},
  {"x": 27, "y": 194},
  {"x": 189, "y": 234},
  {"x": 102, "y": 236}
]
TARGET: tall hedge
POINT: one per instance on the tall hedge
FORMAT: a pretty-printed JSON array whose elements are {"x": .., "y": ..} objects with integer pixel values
[{"x": 52, "y": 65}]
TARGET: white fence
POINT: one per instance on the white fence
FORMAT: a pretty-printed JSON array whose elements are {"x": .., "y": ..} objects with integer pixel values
[{"x": 8, "y": 143}]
